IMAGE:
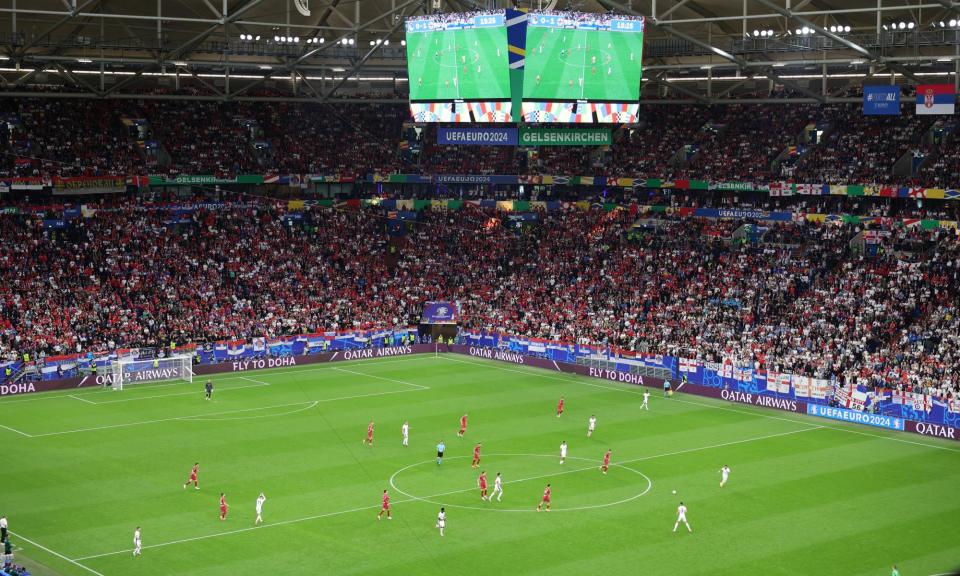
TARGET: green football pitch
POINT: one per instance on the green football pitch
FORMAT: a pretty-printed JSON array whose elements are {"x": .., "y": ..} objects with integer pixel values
[
  {"x": 563, "y": 64},
  {"x": 467, "y": 64},
  {"x": 83, "y": 468}
]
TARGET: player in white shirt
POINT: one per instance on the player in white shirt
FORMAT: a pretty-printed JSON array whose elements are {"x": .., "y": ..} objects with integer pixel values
[
  {"x": 441, "y": 520},
  {"x": 260, "y": 500},
  {"x": 682, "y": 517},
  {"x": 591, "y": 425},
  {"x": 136, "y": 542},
  {"x": 405, "y": 430},
  {"x": 563, "y": 451},
  {"x": 724, "y": 474},
  {"x": 497, "y": 488},
  {"x": 646, "y": 400}
]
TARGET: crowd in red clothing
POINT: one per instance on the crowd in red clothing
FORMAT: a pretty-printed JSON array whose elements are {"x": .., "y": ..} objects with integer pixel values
[
  {"x": 802, "y": 301},
  {"x": 745, "y": 142}
]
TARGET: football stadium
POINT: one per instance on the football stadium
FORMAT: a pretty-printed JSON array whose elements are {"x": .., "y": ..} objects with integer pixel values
[{"x": 382, "y": 287}]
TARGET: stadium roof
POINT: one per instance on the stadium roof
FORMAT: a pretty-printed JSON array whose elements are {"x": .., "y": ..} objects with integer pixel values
[{"x": 707, "y": 50}]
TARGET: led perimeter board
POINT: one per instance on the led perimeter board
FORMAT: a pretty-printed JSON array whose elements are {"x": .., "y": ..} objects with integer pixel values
[
  {"x": 457, "y": 67},
  {"x": 582, "y": 67}
]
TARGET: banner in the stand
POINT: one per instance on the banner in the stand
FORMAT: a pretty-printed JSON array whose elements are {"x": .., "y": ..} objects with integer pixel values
[
  {"x": 448, "y": 136},
  {"x": 89, "y": 185},
  {"x": 530, "y": 136},
  {"x": 205, "y": 179},
  {"x": 743, "y": 214}
]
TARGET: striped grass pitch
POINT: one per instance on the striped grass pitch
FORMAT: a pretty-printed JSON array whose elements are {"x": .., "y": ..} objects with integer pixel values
[{"x": 83, "y": 468}]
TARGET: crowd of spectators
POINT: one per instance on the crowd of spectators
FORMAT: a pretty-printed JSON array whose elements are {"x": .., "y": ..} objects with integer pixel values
[
  {"x": 862, "y": 148},
  {"x": 802, "y": 301},
  {"x": 51, "y": 137},
  {"x": 65, "y": 137}
]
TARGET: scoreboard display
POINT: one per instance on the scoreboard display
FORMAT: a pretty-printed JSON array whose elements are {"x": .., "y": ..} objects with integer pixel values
[
  {"x": 538, "y": 67},
  {"x": 457, "y": 67},
  {"x": 582, "y": 67}
]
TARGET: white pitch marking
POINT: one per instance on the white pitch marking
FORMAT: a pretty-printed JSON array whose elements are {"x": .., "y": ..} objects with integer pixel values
[
  {"x": 57, "y": 554},
  {"x": 401, "y": 501},
  {"x": 577, "y": 379},
  {"x": 88, "y": 390},
  {"x": 429, "y": 499},
  {"x": 174, "y": 419},
  {"x": 418, "y": 386},
  {"x": 17, "y": 431},
  {"x": 81, "y": 399},
  {"x": 191, "y": 393}
]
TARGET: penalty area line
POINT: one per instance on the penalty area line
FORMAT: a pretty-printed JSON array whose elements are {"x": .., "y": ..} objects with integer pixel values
[
  {"x": 747, "y": 411},
  {"x": 17, "y": 431},
  {"x": 55, "y": 553}
]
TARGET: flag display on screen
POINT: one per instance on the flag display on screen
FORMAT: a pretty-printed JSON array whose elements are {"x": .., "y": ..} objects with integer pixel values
[{"x": 936, "y": 99}]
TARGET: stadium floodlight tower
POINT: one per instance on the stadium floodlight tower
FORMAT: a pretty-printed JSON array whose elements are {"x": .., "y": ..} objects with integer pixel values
[{"x": 127, "y": 371}]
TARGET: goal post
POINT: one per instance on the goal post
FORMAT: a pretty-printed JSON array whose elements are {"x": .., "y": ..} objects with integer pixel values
[{"x": 127, "y": 371}]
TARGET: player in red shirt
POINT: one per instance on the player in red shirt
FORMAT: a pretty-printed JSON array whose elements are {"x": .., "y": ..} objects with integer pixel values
[
  {"x": 606, "y": 462},
  {"x": 482, "y": 482},
  {"x": 476, "y": 456},
  {"x": 560, "y": 407},
  {"x": 545, "y": 501},
  {"x": 369, "y": 440},
  {"x": 223, "y": 507},
  {"x": 385, "y": 507},
  {"x": 193, "y": 477},
  {"x": 463, "y": 426}
]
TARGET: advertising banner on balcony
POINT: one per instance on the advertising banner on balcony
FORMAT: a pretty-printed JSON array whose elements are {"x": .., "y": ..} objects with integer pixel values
[
  {"x": 881, "y": 100},
  {"x": 565, "y": 137},
  {"x": 477, "y": 136},
  {"x": 205, "y": 179},
  {"x": 89, "y": 185}
]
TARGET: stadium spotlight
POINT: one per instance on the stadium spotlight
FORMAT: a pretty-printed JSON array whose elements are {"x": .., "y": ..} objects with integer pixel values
[
  {"x": 902, "y": 25},
  {"x": 799, "y": 31},
  {"x": 805, "y": 30},
  {"x": 884, "y": 26},
  {"x": 276, "y": 38},
  {"x": 296, "y": 39},
  {"x": 352, "y": 41},
  {"x": 372, "y": 43},
  {"x": 756, "y": 32},
  {"x": 258, "y": 38},
  {"x": 386, "y": 42},
  {"x": 770, "y": 33},
  {"x": 833, "y": 28},
  {"x": 910, "y": 25},
  {"x": 953, "y": 23},
  {"x": 403, "y": 42},
  {"x": 847, "y": 29}
]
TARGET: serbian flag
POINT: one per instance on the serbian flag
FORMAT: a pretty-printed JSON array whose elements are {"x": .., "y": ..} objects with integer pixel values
[{"x": 936, "y": 99}]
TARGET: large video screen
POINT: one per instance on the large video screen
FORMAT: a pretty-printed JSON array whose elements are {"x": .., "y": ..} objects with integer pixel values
[
  {"x": 458, "y": 68},
  {"x": 582, "y": 67}
]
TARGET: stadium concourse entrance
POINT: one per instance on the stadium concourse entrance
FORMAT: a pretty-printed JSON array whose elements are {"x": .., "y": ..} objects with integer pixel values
[{"x": 448, "y": 332}]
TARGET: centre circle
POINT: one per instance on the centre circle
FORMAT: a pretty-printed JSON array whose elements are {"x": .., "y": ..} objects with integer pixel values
[{"x": 433, "y": 498}]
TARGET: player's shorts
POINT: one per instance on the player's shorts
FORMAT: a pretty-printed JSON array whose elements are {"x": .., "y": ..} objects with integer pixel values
[
  {"x": 386, "y": 506},
  {"x": 439, "y": 454},
  {"x": 193, "y": 478},
  {"x": 682, "y": 518},
  {"x": 441, "y": 523},
  {"x": 223, "y": 509}
]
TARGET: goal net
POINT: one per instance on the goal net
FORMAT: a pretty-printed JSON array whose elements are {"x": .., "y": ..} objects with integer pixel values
[{"x": 127, "y": 371}]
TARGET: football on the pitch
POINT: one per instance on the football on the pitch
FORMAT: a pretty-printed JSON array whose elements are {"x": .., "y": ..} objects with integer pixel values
[{"x": 674, "y": 491}]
